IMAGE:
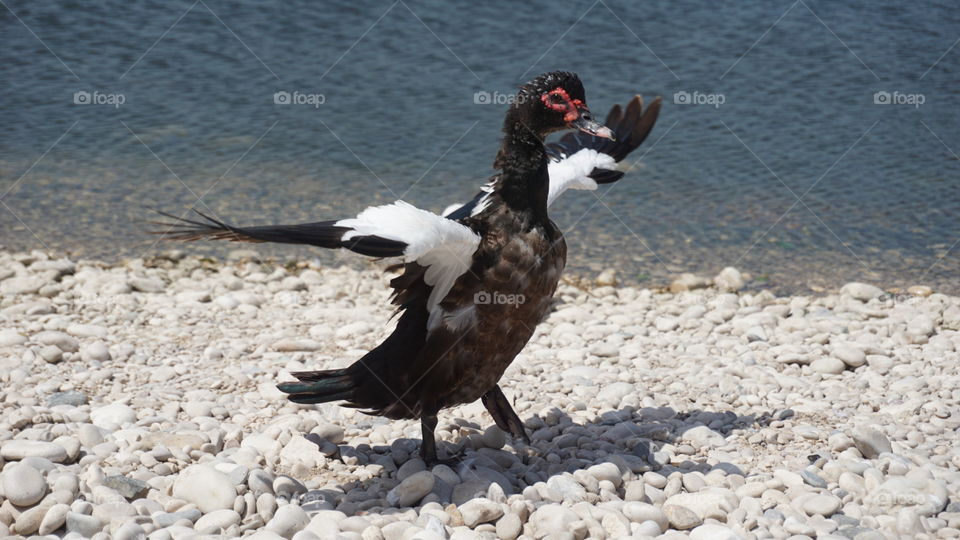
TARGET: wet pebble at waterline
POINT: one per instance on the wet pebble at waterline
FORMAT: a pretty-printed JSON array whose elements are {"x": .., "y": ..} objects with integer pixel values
[{"x": 704, "y": 412}]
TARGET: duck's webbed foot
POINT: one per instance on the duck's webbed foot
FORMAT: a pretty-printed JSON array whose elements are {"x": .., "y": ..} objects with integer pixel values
[
  {"x": 428, "y": 449},
  {"x": 503, "y": 414}
]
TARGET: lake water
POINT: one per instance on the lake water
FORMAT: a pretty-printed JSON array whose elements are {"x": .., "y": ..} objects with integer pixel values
[{"x": 822, "y": 147}]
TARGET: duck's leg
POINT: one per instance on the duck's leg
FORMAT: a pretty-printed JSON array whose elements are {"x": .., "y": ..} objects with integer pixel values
[
  {"x": 428, "y": 448},
  {"x": 503, "y": 414}
]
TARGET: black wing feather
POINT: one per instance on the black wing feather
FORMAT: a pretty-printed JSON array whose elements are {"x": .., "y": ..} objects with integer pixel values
[
  {"x": 325, "y": 234},
  {"x": 464, "y": 211},
  {"x": 631, "y": 128}
]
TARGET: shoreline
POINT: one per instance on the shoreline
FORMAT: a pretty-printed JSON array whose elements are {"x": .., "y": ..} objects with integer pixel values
[{"x": 693, "y": 412}]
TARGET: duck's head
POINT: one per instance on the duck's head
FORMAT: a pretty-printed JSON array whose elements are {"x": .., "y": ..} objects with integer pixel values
[{"x": 553, "y": 102}]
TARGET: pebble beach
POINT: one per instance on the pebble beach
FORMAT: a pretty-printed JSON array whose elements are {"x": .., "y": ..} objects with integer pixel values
[{"x": 138, "y": 401}]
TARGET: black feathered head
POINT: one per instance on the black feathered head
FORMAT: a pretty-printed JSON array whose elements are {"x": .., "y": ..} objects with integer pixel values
[{"x": 555, "y": 101}]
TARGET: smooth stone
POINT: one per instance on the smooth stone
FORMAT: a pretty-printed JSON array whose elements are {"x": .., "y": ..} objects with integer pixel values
[
  {"x": 148, "y": 285},
  {"x": 130, "y": 531},
  {"x": 130, "y": 488},
  {"x": 713, "y": 531},
  {"x": 614, "y": 392},
  {"x": 509, "y": 527},
  {"x": 470, "y": 489},
  {"x": 85, "y": 525},
  {"x": 861, "y": 291},
  {"x": 729, "y": 280},
  {"x": 566, "y": 488},
  {"x": 51, "y": 354},
  {"x": 813, "y": 479},
  {"x": 647, "y": 528},
  {"x": 870, "y": 441},
  {"x": 264, "y": 534},
  {"x": 494, "y": 437},
  {"x": 113, "y": 415},
  {"x": 216, "y": 521},
  {"x": 639, "y": 512},
  {"x": 87, "y": 330},
  {"x": 16, "y": 450},
  {"x": 828, "y": 365},
  {"x": 552, "y": 520},
  {"x": 329, "y": 432},
  {"x": 680, "y": 517},
  {"x": 95, "y": 352},
  {"x": 10, "y": 338},
  {"x": 666, "y": 323},
  {"x": 702, "y": 437},
  {"x": 23, "y": 485},
  {"x": 28, "y": 522},
  {"x": 288, "y": 487},
  {"x": 850, "y": 355},
  {"x": 64, "y": 342},
  {"x": 824, "y": 505},
  {"x": 301, "y": 452},
  {"x": 166, "y": 519},
  {"x": 206, "y": 487},
  {"x": 287, "y": 520},
  {"x": 707, "y": 503},
  {"x": 72, "y": 398},
  {"x": 55, "y": 518},
  {"x": 689, "y": 282},
  {"x": 606, "y": 471},
  {"x": 481, "y": 510},
  {"x": 260, "y": 481},
  {"x": 22, "y": 285},
  {"x": 409, "y": 468},
  {"x": 411, "y": 489}
]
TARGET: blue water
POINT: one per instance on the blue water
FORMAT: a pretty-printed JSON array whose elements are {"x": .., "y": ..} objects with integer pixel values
[{"x": 714, "y": 186}]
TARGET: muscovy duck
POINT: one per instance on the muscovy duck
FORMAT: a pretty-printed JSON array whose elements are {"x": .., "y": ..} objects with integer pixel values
[
  {"x": 452, "y": 343},
  {"x": 583, "y": 161}
]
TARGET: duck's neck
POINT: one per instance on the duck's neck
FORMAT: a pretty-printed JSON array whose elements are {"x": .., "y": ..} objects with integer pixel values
[{"x": 522, "y": 160}]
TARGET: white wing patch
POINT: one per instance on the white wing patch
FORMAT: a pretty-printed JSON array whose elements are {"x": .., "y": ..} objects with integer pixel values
[
  {"x": 450, "y": 209},
  {"x": 572, "y": 172},
  {"x": 445, "y": 247}
]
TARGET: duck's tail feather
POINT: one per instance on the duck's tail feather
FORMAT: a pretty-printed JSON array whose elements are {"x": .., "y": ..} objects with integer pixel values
[{"x": 320, "y": 386}]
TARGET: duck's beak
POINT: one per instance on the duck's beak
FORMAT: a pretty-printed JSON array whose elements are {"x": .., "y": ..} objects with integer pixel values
[{"x": 585, "y": 123}]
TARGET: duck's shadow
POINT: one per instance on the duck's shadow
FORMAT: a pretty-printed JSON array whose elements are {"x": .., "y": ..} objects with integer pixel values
[{"x": 628, "y": 438}]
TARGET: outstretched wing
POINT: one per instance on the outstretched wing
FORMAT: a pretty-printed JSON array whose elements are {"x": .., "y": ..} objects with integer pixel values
[
  {"x": 582, "y": 161},
  {"x": 325, "y": 234},
  {"x": 443, "y": 247}
]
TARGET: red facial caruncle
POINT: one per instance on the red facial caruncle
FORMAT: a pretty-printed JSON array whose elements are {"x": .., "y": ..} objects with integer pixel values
[{"x": 559, "y": 100}]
